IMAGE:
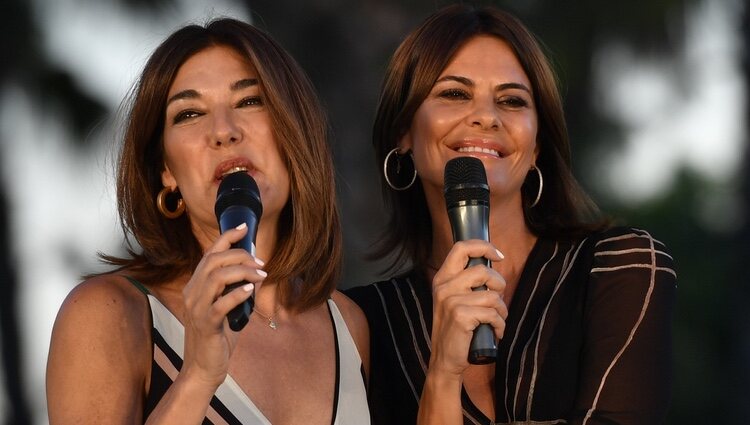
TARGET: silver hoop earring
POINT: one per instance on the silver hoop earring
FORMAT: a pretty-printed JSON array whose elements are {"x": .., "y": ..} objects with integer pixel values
[
  {"x": 398, "y": 175},
  {"x": 541, "y": 186}
]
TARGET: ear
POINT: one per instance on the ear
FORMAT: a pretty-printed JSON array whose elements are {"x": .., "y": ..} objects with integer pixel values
[
  {"x": 167, "y": 179},
  {"x": 405, "y": 144}
]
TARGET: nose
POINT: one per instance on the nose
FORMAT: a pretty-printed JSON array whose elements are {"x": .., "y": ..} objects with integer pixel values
[
  {"x": 484, "y": 113},
  {"x": 225, "y": 131}
]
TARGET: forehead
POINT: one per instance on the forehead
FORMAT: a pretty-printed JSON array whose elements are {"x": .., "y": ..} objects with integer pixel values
[
  {"x": 486, "y": 55},
  {"x": 213, "y": 66}
]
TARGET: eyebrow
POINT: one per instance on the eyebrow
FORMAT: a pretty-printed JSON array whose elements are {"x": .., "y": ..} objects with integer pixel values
[
  {"x": 244, "y": 83},
  {"x": 468, "y": 82},
  {"x": 193, "y": 94}
]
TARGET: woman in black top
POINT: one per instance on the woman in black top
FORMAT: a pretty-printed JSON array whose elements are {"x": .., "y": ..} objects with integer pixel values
[{"x": 582, "y": 310}]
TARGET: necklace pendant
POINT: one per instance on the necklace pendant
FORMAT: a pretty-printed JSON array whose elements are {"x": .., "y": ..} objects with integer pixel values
[{"x": 271, "y": 324}]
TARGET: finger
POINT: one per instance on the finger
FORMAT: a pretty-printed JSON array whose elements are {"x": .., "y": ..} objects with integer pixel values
[
  {"x": 469, "y": 279},
  {"x": 479, "y": 275},
  {"x": 473, "y": 316},
  {"x": 215, "y": 260},
  {"x": 228, "y": 237},
  {"x": 468, "y": 317},
  {"x": 209, "y": 283},
  {"x": 498, "y": 324},
  {"x": 232, "y": 299},
  {"x": 461, "y": 251},
  {"x": 484, "y": 299},
  {"x": 227, "y": 276}
]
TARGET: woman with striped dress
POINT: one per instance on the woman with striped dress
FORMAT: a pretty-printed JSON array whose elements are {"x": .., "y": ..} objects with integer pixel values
[{"x": 581, "y": 310}]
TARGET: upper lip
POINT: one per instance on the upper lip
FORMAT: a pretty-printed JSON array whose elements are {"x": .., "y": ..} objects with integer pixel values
[
  {"x": 227, "y": 166},
  {"x": 480, "y": 143}
]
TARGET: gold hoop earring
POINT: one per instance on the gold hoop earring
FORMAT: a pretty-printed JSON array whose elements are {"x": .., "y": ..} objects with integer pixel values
[
  {"x": 541, "y": 186},
  {"x": 161, "y": 203},
  {"x": 397, "y": 175}
]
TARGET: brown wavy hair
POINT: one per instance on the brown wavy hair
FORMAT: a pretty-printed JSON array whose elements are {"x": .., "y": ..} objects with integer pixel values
[
  {"x": 307, "y": 259},
  {"x": 564, "y": 209}
]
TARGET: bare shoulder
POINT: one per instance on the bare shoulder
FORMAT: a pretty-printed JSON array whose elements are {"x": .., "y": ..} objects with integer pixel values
[
  {"x": 105, "y": 300},
  {"x": 101, "y": 347},
  {"x": 356, "y": 322},
  {"x": 353, "y": 315}
]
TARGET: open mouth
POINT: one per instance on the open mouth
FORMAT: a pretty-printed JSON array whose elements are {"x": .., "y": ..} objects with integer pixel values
[
  {"x": 232, "y": 170},
  {"x": 232, "y": 166}
]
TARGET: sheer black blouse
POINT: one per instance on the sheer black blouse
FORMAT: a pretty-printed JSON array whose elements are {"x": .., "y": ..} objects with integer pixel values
[{"x": 587, "y": 338}]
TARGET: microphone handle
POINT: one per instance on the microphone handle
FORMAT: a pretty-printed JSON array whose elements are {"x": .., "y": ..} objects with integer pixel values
[
  {"x": 240, "y": 314},
  {"x": 232, "y": 217},
  {"x": 483, "y": 349}
]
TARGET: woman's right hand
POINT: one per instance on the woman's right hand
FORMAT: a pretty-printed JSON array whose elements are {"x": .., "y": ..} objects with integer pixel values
[
  {"x": 208, "y": 340},
  {"x": 457, "y": 310}
]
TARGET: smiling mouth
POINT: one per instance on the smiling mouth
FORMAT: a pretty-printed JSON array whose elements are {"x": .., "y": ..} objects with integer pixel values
[{"x": 476, "y": 149}]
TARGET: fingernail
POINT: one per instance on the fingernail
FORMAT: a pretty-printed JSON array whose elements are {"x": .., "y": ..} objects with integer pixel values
[
  {"x": 241, "y": 226},
  {"x": 261, "y": 272},
  {"x": 247, "y": 288},
  {"x": 259, "y": 262},
  {"x": 499, "y": 254}
]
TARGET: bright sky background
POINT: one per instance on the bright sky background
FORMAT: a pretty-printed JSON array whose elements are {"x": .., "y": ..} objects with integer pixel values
[
  {"x": 65, "y": 209},
  {"x": 682, "y": 109}
]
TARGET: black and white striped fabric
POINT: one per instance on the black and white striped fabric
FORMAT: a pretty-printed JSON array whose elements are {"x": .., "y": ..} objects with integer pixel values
[
  {"x": 587, "y": 338},
  {"x": 230, "y": 405}
]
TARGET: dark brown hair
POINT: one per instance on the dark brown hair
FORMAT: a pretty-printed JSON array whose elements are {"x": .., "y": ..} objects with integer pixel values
[
  {"x": 564, "y": 210},
  {"x": 306, "y": 262}
]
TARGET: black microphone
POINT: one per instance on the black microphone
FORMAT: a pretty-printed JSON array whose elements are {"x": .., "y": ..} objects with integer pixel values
[
  {"x": 467, "y": 197},
  {"x": 237, "y": 202}
]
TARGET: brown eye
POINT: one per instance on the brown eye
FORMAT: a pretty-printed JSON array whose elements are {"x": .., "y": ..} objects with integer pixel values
[
  {"x": 185, "y": 115},
  {"x": 513, "y": 102},
  {"x": 250, "y": 101},
  {"x": 454, "y": 94}
]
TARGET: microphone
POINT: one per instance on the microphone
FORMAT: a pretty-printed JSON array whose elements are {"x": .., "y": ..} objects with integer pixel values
[
  {"x": 467, "y": 197},
  {"x": 237, "y": 202}
]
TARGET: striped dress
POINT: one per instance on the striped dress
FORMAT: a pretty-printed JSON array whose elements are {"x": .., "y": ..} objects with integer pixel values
[
  {"x": 587, "y": 338},
  {"x": 230, "y": 405}
]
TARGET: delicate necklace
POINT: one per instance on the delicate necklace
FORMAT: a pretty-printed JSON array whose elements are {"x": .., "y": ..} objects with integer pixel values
[{"x": 271, "y": 323}]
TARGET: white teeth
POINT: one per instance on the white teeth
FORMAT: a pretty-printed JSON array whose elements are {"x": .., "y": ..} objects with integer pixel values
[
  {"x": 234, "y": 170},
  {"x": 468, "y": 149}
]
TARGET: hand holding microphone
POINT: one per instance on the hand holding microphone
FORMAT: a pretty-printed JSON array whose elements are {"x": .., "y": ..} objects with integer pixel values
[
  {"x": 237, "y": 202},
  {"x": 467, "y": 198}
]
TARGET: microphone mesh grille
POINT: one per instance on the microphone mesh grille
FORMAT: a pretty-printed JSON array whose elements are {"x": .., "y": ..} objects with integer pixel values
[
  {"x": 238, "y": 189},
  {"x": 465, "y": 180}
]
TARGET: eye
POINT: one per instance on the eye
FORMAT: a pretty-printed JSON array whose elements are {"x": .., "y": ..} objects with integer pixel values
[
  {"x": 250, "y": 101},
  {"x": 515, "y": 102},
  {"x": 454, "y": 94},
  {"x": 185, "y": 115}
]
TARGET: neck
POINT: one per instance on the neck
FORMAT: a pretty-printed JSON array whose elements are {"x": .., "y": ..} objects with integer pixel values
[
  {"x": 265, "y": 240},
  {"x": 507, "y": 229}
]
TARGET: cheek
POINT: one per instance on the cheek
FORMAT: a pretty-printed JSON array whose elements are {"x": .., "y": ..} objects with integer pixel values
[
  {"x": 524, "y": 132},
  {"x": 429, "y": 127}
]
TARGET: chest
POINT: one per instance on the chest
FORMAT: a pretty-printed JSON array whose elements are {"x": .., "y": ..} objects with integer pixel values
[{"x": 289, "y": 373}]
